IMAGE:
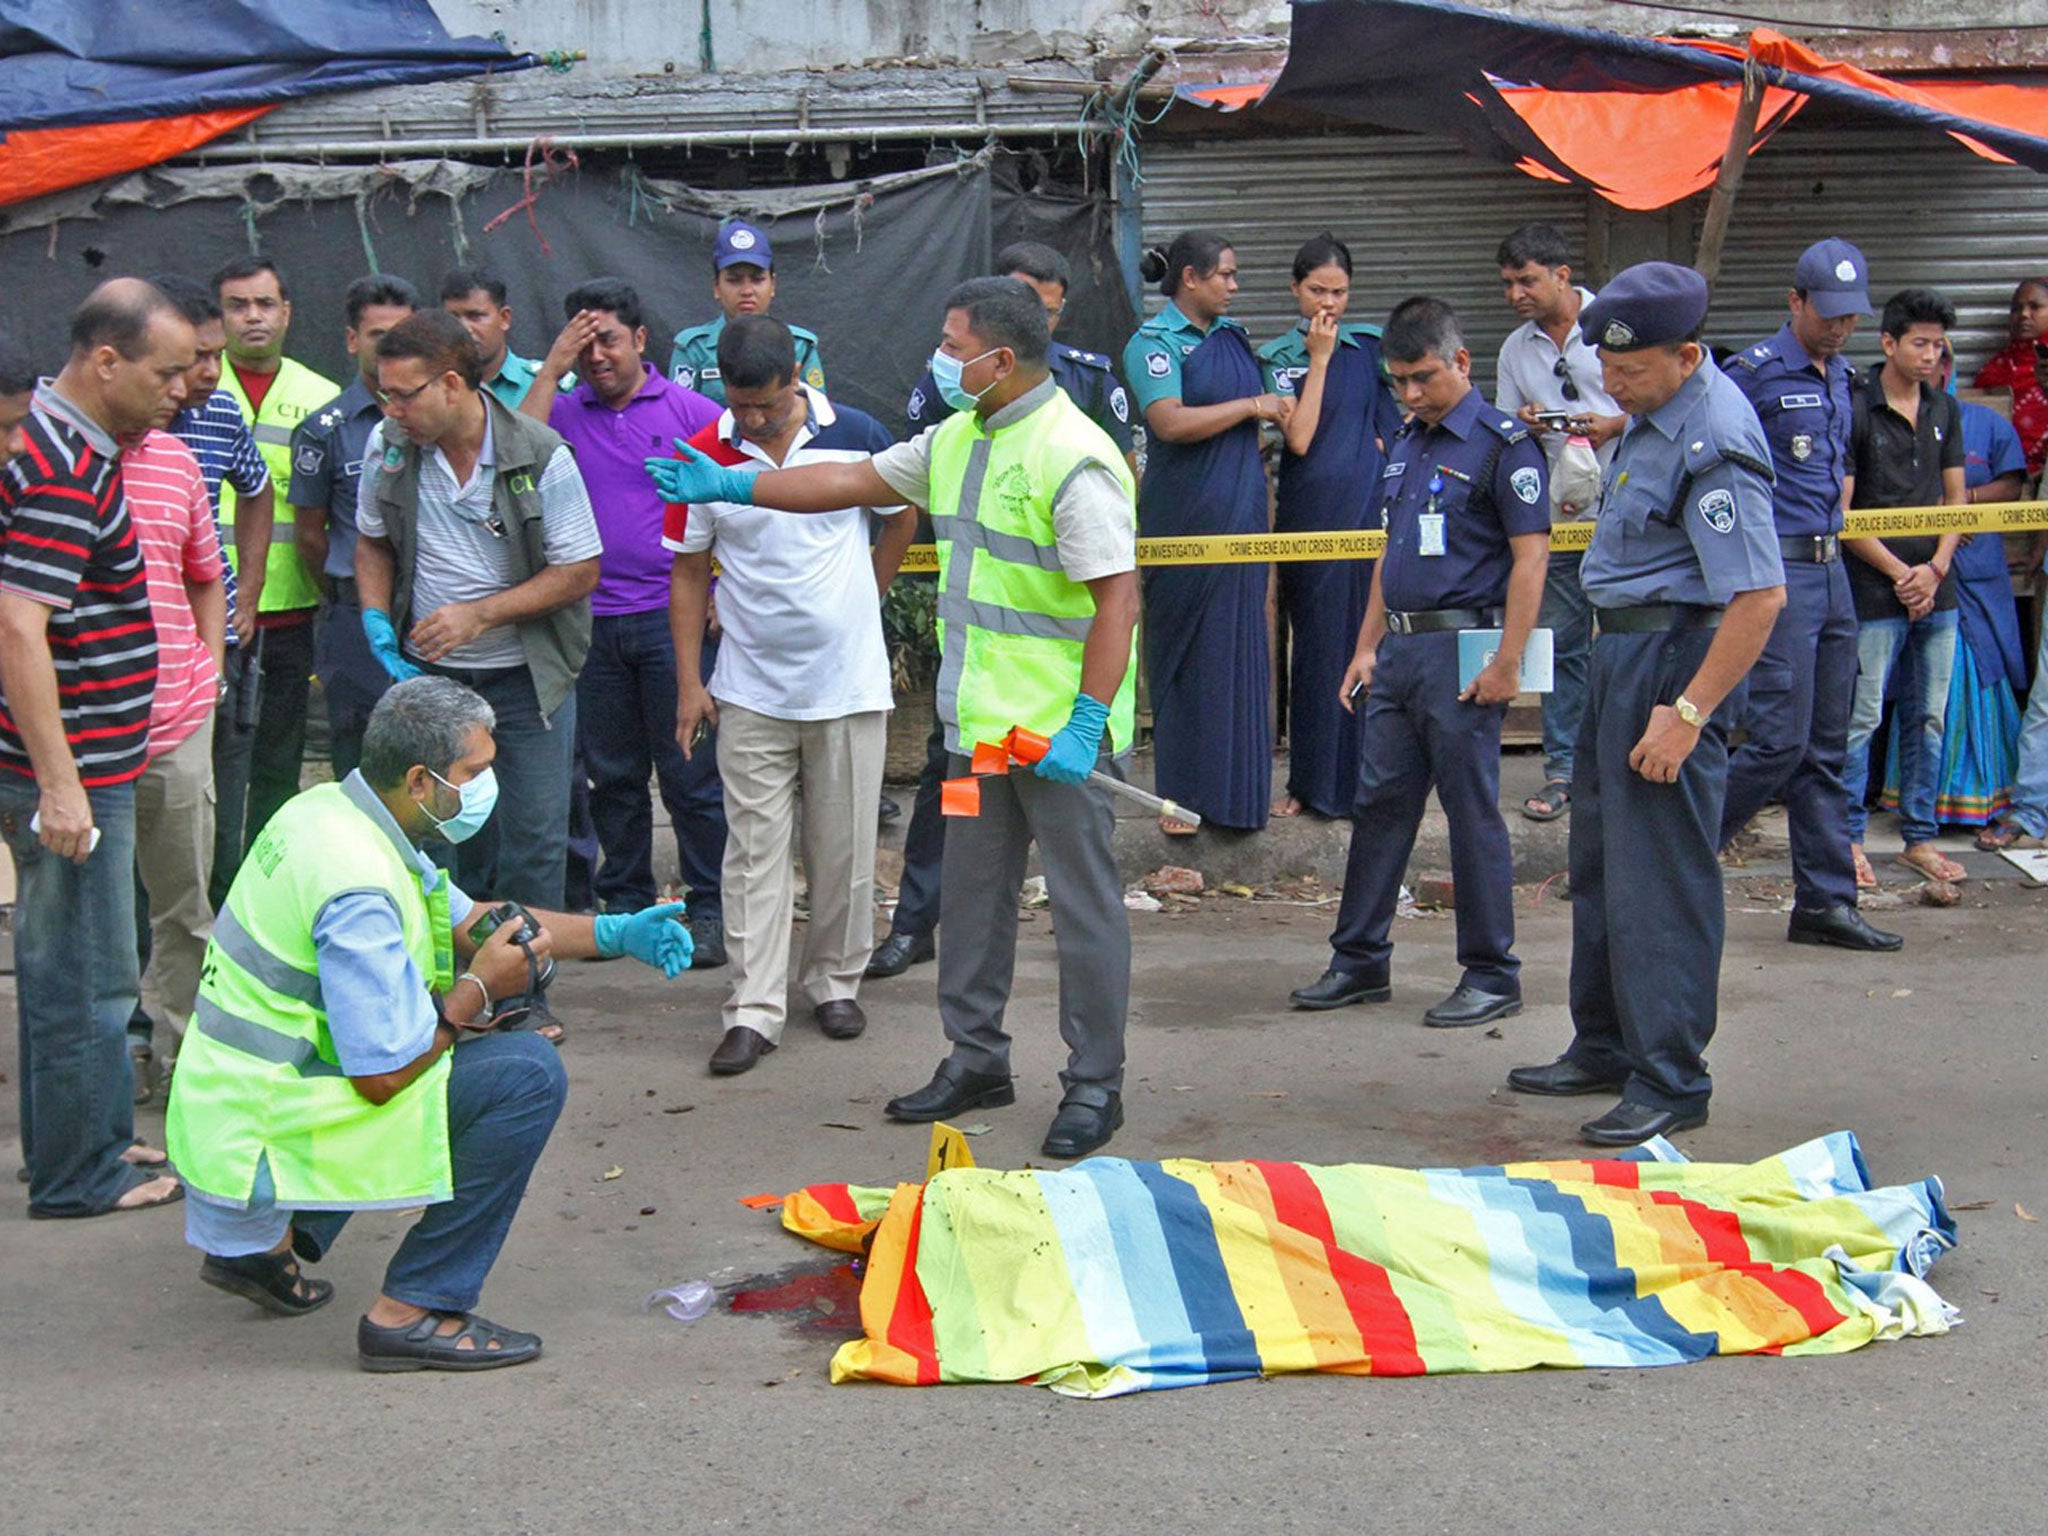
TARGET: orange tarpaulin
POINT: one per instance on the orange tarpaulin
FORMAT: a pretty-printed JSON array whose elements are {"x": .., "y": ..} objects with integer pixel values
[{"x": 43, "y": 160}]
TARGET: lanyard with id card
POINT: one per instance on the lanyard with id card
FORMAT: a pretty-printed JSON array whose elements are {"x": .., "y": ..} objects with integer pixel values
[{"x": 1429, "y": 529}]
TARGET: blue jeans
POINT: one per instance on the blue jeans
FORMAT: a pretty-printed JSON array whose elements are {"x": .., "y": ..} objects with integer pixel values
[
  {"x": 76, "y": 983},
  {"x": 627, "y": 696},
  {"x": 504, "y": 1095},
  {"x": 522, "y": 853},
  {"x": 1929, "y": 648},
  {"x": 2029, "y": 809},
  {"x": 1568, "y": 614}
]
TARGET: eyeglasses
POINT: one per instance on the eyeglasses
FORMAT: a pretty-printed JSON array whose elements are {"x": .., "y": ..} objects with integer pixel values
[
  {"x": 1565, "y": 385},
  {"x": 403, "y": 396}
]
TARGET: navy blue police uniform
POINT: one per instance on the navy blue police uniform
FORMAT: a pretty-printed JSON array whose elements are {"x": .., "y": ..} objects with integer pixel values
[
  {"x": 1797, "y": 710},
  {"x": 1455, "y": 494},
  {"x": 327, "y": 461},
  {"x": 1684, "y": 526}
]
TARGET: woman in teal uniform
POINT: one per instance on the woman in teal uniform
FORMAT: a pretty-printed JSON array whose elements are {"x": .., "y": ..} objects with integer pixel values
[
  {"x": 1336, "y": 438},
  {"x": 1195, "y": 378}
]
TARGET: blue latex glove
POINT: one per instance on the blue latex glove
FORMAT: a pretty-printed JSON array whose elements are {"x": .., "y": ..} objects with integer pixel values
[
  {"x": 384, "y": 645},
  {"x": 1071, "y": 756},
  {"x": 654, "y": 936},
  {"x": 699, "y": 477}
]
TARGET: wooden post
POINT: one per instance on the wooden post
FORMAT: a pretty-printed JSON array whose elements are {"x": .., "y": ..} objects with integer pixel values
[{"x": 1734, "y": 161}]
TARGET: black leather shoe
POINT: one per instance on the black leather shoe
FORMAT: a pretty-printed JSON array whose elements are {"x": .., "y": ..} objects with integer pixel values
[
  {"x": 1088, "y": 1117},
  {"x": 898, "y": 953},
  {"x": 1468, "y": 1006},
  {"x": 952, "y": 1090},
  {"x": 707, "y": 935},
  {"x": 1336, "y": 989},
  {"x": 1842, "y": 926},
  {"x": 840, "y": 1019},
  {"x": 1562, "y": 1079},
  {"x": 1628, "y": 1123},
  {"x": 739, "y": 1050},
  {"x": 888, "y": 810}
]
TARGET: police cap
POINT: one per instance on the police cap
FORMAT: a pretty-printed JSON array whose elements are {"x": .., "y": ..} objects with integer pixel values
[
  {"x": 1650, "y": 305},
  {"x": 1835, "y": 279},
  {"x": 739, "y": 242}
]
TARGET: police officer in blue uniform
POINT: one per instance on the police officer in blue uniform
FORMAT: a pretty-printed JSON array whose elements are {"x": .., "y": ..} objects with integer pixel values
[
  {"x": 1797, "y": 713},
  {"x": 743, "y": 283},
  {"x": 327, "y": 461},
  {"x": 1686, "y": 582},
  {"x": 1090, "y": 380},
  {"x": 1467, "y": 513}
]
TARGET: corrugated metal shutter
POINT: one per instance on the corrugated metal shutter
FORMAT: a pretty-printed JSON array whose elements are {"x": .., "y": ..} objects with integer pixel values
[
  {"x": 1924, "y": 211},
  {"x": 1420, "y": 214}
]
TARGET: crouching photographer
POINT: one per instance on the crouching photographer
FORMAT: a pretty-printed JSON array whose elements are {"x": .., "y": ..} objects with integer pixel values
[{"x": 353, "y": 1048}]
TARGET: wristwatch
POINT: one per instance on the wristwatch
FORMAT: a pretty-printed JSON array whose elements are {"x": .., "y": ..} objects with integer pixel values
[{"x": 1689, "y": 712}]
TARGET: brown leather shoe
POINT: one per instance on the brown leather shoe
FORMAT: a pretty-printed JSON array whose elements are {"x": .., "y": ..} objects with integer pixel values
[
  {"x": 739, "y": 1050},
  {"x": 840, "y": 1019}
]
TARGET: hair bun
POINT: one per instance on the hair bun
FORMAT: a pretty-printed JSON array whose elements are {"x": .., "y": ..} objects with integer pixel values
[{"x": 1152, "y": 264}]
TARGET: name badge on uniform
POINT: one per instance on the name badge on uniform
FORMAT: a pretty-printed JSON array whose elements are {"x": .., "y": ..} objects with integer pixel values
[{"x": 1429, "y": 527}]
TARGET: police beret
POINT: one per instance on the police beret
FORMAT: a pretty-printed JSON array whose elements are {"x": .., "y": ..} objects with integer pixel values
[{"x": 1650, "y": 305}]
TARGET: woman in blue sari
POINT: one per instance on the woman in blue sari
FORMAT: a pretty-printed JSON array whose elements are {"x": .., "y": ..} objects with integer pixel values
[
  {"x": 1980, "y": 750},
  {"x": 1329, "y": 480},
  {"x": 1207, "y": 666}
]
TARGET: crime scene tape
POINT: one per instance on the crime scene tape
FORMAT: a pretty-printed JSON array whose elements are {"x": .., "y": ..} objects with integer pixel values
[{"x": 1367, "y": 544}]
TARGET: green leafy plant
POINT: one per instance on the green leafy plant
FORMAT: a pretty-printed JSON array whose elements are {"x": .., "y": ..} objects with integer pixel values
[{"x": 910, "y": 614}]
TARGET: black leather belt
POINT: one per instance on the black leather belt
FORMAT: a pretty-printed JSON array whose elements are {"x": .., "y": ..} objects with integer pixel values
[
  {"x": 1811, "y": 548},
  {"x": 1652, "y": 617},
  {"x": 1437, "y": 621},
  {"x": 345, "y": 591}
]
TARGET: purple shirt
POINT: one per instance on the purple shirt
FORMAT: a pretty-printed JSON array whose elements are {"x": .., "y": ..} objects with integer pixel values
[{"x": 611, "y": 448}]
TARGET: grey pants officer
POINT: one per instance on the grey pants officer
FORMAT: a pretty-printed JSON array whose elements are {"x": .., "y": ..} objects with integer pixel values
[
  {"x": 984, "y": 865},
  {"x": 1686, "y": 580},
  {"x": 1419, "y": 735}
]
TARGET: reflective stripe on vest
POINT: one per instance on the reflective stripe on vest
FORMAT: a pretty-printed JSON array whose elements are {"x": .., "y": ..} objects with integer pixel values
[
  {"x": 260, "y": 1040},
  {"x": 274, "y": 971}
]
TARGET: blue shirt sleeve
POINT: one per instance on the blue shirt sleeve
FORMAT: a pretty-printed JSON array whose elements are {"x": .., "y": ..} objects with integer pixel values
[
  {"x": 312, "y": 465},
  {"x": 378, "y": 1009},
  {"x": 1521, "y": 488},
  {"x": 1152, "y": 364},
  {"x": 2007, "y": 456},
  {"x": 1733, "y": 531},
  {"x": 246, "y": 471}
]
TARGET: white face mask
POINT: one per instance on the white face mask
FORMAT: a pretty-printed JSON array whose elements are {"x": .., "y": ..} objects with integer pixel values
[{"x": 479, "y": 798}]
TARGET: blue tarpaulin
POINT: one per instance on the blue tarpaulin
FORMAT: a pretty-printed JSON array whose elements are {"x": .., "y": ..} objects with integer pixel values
[{"x": 73, "y": 63}]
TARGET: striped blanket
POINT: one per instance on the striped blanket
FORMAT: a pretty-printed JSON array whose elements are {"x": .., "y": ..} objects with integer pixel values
[{"x": 1116, "y": 1276}]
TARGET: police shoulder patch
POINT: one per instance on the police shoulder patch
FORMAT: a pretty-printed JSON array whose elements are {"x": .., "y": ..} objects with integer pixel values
[
  {"x": 686, "y": 376},
  {"x": 1718, "y": 510},
  {"x": 1158, "y": 365},
  {"x": 1527, "y": 485},
  {"x": 308, "y": 459},
  {"x": 1120, "y": 403},
  {"x": 917, "y": 403}
]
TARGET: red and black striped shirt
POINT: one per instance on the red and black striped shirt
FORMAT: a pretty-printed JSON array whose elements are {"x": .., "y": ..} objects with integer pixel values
[{"x": 66, "y": 542}]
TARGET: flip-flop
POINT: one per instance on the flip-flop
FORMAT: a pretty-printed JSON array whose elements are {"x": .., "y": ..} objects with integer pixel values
[
  {"x": 1549, "y": 802},
  {"x": 1997, "y": 836},
  {"x": 177, "y": 1193},
  {"x": 1174, "y": 828},
  {"x": 1938, "y": 865}
]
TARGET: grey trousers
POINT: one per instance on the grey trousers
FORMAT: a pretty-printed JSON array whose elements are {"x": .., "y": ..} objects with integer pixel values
[{"x": 984, "y": 866}]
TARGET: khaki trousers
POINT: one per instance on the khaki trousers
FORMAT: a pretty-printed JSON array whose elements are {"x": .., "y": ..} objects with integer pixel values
[
  {"x": 761, "y": 763},
  {"x": 174, "y": 856}
]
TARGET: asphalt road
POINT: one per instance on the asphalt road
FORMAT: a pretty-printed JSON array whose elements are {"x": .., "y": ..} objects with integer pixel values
[{"x": 136, "y": 1399}]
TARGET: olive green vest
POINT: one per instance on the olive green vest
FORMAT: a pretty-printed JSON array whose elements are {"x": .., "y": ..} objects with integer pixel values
[
  {"x": 1012, "y": 623},
  {"x": 556, "y": 643},
  {"x": 258, "y": 1076},
  {"x": 295, "y": 394}
]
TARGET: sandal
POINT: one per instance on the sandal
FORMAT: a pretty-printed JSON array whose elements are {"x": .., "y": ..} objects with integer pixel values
[
  {"x": 1929, "y": 861},
  {"x": 1866, "y": 877},
  {"x": 420, "y": 1347},
  {"x": 1549, "y": 802},
  {"x": 1173, "y": 828},
  {"x": 272, "y": 1280},
  {"x": 1997, "y": 836},
  {"x": 170, "y": 1196},
  {"x": 141, "y": 1156}
]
